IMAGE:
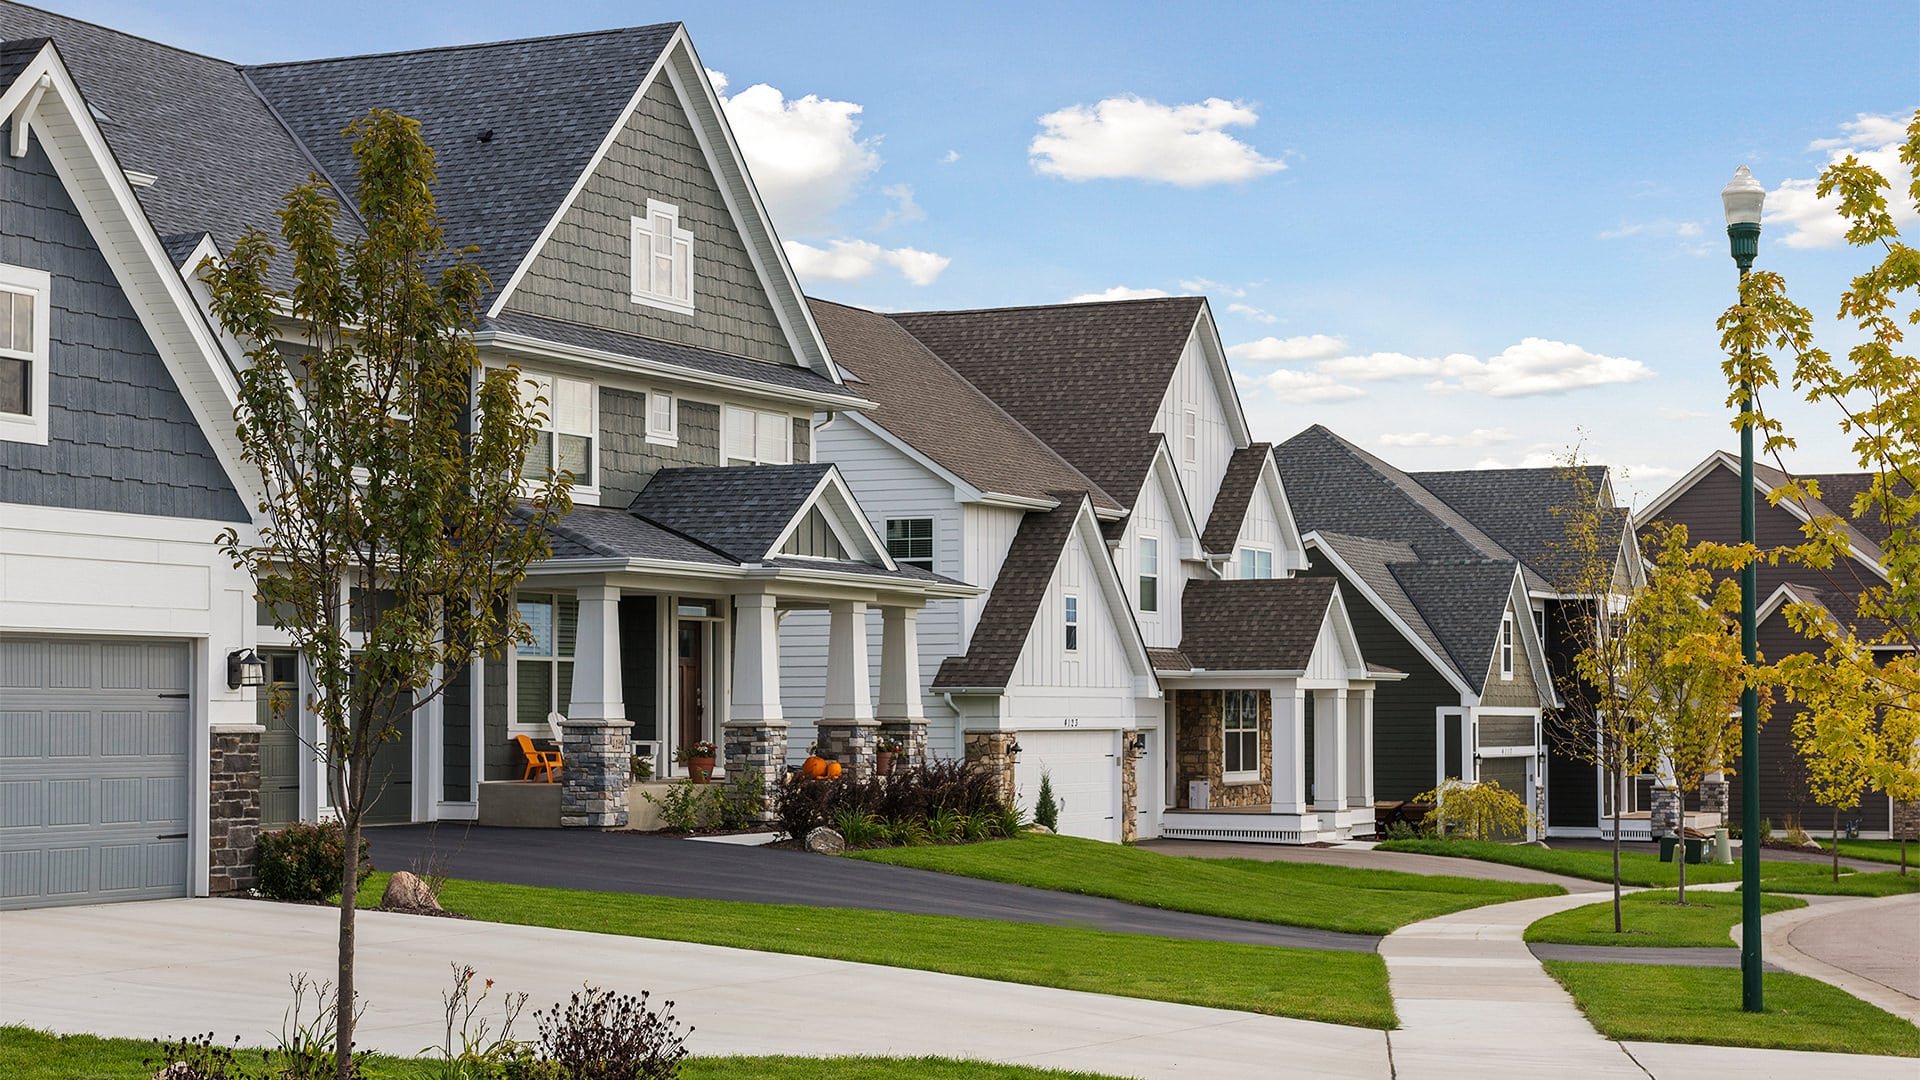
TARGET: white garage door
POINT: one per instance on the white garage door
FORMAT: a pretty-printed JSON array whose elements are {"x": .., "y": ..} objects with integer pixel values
[
  {"x": 93, "y": 770},
  {"x": 1085, "y": 777}
]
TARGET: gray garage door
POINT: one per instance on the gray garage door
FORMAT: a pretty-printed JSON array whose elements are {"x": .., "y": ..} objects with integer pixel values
[{"x": 93, "y": 770}]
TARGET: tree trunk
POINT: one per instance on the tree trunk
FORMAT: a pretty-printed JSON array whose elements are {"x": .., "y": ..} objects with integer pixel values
[
  {"x": 1618, "y": 926},
  {"x": 343, "y": 998},
  {"x": 1903, "y": 856},
  {"x": 1836, "y": 843},
  {"x": 1680, "y": 849}
]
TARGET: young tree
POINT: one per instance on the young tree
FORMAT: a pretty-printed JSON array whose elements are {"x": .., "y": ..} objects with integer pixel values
[
  {"x": 1869, "y": 670},
  {"x": 1835, "y": 733},
  {"x": 392, "y": 467}
]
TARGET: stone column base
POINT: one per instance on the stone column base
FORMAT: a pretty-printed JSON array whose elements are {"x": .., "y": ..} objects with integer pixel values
[
  {"x": 849, "y": 742},
  {"x": 755, "y": 746},
  {"x": 988, "y": 750},
  {"x": 595, "y": 764},
  {"x": 1906, "y": 819},
  {"x": 912, "y": 737},
  {"x": 233, "y": 812},
  {"x": 1129, "y": 790},
  {"x": 1715, "y": 797},
  {"x": 1664, "y": 817}
]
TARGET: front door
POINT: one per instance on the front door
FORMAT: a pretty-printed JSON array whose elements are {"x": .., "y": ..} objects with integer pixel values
[
  {"x": 693, "y": 704},
  {"x": 280, "y": 755}
]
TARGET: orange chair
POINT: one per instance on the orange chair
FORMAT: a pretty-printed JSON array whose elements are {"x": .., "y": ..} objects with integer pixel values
[{"x": 537, "y": 759}]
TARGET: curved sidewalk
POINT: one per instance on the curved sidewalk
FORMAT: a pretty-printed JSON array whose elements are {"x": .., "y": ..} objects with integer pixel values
[{"x": 1868, "y": 947}]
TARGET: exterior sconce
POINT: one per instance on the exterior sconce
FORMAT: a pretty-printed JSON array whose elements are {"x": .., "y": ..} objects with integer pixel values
[
  {"x": 245, "y": 668},
  {"x": 1013, "y": 748},
  {"x": 1138, "y": 744}
]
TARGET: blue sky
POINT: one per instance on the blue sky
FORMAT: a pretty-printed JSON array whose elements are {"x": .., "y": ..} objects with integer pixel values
[{"x": 1457, "y": 234}]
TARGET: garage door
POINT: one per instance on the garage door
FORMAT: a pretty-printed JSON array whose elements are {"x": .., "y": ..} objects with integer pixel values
[
  {"x": 1085, "y": 776},
  {"x": 93, "y": 771}
]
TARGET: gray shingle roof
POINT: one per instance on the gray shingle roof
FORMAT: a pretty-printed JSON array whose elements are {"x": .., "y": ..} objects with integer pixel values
[
  {"x": 1463, "y": 601},
  {"x": 604, "y": 532},
  {"x": 1086, "y": 378},
  {"x": 1008, "y": 617},
  {"x": 1372, "y": 561},
  {"x": 932, "y": 408},
  {"x": 16, "y": 54},
  {"x": 697, "y": 361},
  {"x": 548, "y": 102},
  {"x": 1520, "y": 509},
  {"x": 738, "y": 512},
  {"x": 1236, "y": 491},
  {"x": 1254, "y": 625}
]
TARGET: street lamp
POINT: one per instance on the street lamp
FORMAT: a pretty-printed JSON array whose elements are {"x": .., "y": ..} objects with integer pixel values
[{"x": 1742, "y": 199}]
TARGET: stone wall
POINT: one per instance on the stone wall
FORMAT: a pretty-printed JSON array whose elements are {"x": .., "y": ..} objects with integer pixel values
[
  {"x": 1906, "y": 820},
  {"x": 752, "y": 747},
  {"x": 1200, "y": 755},
  {"x": 912, "y": 737},
  {"x": 988, "y": 749},
  {"x": 849, "y": 742},
  {"x": 1129, "y": 790},
  {"x": 596, "y": 766},
  {"x": 1663, "y": 818},
  {"x": 233, "y": 812}
]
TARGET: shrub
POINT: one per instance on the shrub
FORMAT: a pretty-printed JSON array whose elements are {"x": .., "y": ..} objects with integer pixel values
[
  {"x": 1406, "y": 830},
  {"x": 913, "y": 795},
  {"x": 1482, "y": 811},
  {"x": 606, "y": 1036},
  {"x": 743, "y": 802},
  {"x": 1045, "y": 810},
  {"x": 303, "y": 861}
]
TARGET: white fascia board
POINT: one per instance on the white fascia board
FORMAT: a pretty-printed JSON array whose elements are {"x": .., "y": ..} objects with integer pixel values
[
  {"x": 851, "y": 527},
  {"x": 1216, "y": 354},
  {"x": 1087, "y": 527},
  {"x": 1682, "y": 486},
  {"x": 1163, "y": 470},
  {"x": 1289, "y": 528},
  {"x": 1522, "y": 608},
  {"x": 1343, "y": 630},
  {"x": 682, "y": 377},
  {"x": 1445, "y": 668}
]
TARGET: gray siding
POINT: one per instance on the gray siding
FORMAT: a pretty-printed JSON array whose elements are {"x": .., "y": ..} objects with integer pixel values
[
  {"x": 1523, "y": 690},
  {"x": 120, "y": 436},
  {"x": 1506, "y": 731},
  {"x": 802, "y": 439},
  {"x": 502, "y": 758},
  {"x": 640, "y": 665},
  {"x": 456, "y": 736},
  {"x": 1573, "y": 781},
  {"x": 628, "y": 460},
  {"x": 582, "y": 274}
]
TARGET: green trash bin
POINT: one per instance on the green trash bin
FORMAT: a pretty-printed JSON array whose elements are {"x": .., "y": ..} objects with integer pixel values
[
  {"x": 1667, "y": 844},
  {"x": 1696, "y": 850}
]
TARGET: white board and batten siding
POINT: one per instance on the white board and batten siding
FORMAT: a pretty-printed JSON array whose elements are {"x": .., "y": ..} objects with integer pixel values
[
  {"x": 987, "y": 533},
  {"x": 1260, "y": 530},
  {"x": 1091, "y": 685},
  {"x": 1153, "y": 516},
  {"x": 1193, "y": 396}
]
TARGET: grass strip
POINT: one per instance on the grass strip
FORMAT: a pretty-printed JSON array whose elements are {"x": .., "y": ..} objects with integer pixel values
[
  {"x": 26, "y": 1054},
  {"x": 1889, "y": 883},
  {"x": 1323, "y": 897},
  {"x": 1636, "y": 867},
  {"x": 1702, "y": 1005},
  {"x": 1886, "y": 851},
  {"x": 1655, "y": 919},
  {"x": 1310, "y": 984}
]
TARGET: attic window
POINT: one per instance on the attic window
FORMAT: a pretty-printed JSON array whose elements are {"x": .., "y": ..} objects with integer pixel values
[
  {"x": 1506, "y": 647},
  {"x": 24, "y": 347},
  {"x": 662, "y": 257},
  {"x": 1255, "y": 563}
]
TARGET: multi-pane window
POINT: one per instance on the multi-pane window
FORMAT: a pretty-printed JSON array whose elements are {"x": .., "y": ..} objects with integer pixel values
[
  {"x": 1255, "y": 563},
  {"x": 1506, "y": 646},
  {"x": 663, "y": 424},
  {"x": 662, "y": 258},
  {"x": 1073, "y": 623},
  {"x": 1149, "y": 573},
  {"x": 23, "y": 353},
  {"x": 752, "y": 437},
  {"x": 1190, "y": 437},
  {"x": 564, "y": 442},
  {"x": 910, "y": 542},
  {"x": 543, "y": 668},
  {"x": 1240, "y": 723}
]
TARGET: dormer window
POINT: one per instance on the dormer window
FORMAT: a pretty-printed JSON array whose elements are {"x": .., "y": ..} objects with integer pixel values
[
  {"x": 23, "y": 353},
  {"x": 1506, "y": 647},
  {"x": 1255, "y": 564},
  {"x": 662, "y": 259}
]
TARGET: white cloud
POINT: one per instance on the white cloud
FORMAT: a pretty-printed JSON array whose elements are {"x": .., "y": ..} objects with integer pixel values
[
  {"x": 1259, "y": 315},
  {"x": 1814, "y": 222},
  {"x": 1209, "y": 286},
  {"x": 1269, "y": 350},
  {"x": 1297, "y": 385},
  {"x": 806, "y": 154},
  {"x": 1118, "y": 292},
  {"x": 1684, "y": 230},
  {"x": 1534, "y": 366},
  {"x": 853, "y": 260},
  {"x": 950, "y": 157},
  {"x": 1130, "y": 137},
  {"x": 905, "y": 210},
  {"x": 1476, "y": 437}
]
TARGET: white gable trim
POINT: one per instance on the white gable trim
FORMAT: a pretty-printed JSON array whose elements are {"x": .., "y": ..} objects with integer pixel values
[
  {"x": 1086, "y": 526},
  {"x": 1289, "y": 528},
  {"x": 842, "y": 514},
  {"x": 1208, "y": 334},
  {"x": 1336, "y": 628},
  {"x": 1761, "y": 492},
  {"x": 1468, "y": 696},
  {"x": 1520, "y": 607},
  {"x": 1168, "y": 475}
]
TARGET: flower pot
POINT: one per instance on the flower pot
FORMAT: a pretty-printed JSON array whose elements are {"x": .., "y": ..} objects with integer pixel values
[
  {"x": 701, "y": 768},
  {"x": 883, "y": 762}
]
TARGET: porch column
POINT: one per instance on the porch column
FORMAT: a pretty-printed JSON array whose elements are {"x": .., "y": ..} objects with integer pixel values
[
  {"x": 847, "y": 730},
  {"x": 902, "y": 719},
  {"x": 594, "y": 754},
  {"x": 1330, "y": 750},
  {"x": 1289, "y": 749},
  {"x": 755, "y": 734},
  {"x": 596, "y": 657},
  {"x": 1360, "y": 748}
]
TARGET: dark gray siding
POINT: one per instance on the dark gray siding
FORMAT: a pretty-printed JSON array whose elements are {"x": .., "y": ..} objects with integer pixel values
[
  {"x": 639, "y": 664},
  {"x": 582, "y": 275},
  {"x": 1784, "y": 794},
  {"x": 628, "y": 460},
  {"x": 503, "y": 759},
  {"x": 120, "y": 436},
  {"x": 802, "y": 439},
  {"x": 1403, "y": 712},
  {"x": 1521, "y": 691},
  {"x": 1506, "y": 731},
  {"x": 456, "y": 739},
  {"x": 1573, "y": 781}
]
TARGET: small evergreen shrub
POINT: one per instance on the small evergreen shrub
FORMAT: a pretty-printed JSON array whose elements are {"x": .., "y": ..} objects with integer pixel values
[
  {"x": 303, "y": 861},
  {"x": 1046, "y": 811}
]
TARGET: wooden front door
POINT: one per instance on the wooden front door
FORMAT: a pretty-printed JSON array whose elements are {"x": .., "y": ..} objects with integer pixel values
[
  {"x": 280, "y": 744},
  {"x": 693, "y": 705}
]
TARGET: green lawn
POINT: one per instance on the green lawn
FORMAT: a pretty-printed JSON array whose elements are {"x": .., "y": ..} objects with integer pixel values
[
  {"x": 1882, "y": 884},
  {"x": 1887, "y": 851},
  {"x": 1654, "y": 919},
  {"x": 1311, "y": 984},
  {"x": 1638, "y": 868},
  {"x": 1292, "y": 894},
  {"x": 1702, "y": 1005},
  {"x": 26, "y": 1054}
]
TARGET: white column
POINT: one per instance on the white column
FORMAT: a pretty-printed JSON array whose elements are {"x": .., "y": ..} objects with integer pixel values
[
  {"x": 900, "y": 665},
  {"x": 596, "y": 657},
  {"x": 849, "y": 691},
  {"x": 756, "y": 660},
  {"x": 1360, "y": 747},
  {"x": 1289, "y": 749},
  {"x": 1330, "y": 750}
]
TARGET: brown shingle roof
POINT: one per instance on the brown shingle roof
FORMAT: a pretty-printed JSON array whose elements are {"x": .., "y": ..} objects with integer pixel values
[
  {"x": 933, "y": 409},
  {"x": 1008, "y": 617},
  {"x": 1086, "y": 378},
  {"x": 1268, "y": 624},
  {"x": 1236, "y": 491}
]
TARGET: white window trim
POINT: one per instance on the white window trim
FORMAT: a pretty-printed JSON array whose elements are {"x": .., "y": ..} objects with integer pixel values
[
  {"x": 669, "y": 435},
  {"x": 31, "y": 428},
  {"x": 1190, "y": 437},
  {"x": 1506, "y": 647},
  {"x": 641, "y": 226},
  {"x": 589, "y": 493},
  {"x": 539, "y": 730},
  {"x": 1070, "y": 616},
  {"x": 1243, "y": 776},
  {"x": 1255, "y": 550},
  {"x": 1139, "y": 556},
  {"x": 729, "y": 415}
]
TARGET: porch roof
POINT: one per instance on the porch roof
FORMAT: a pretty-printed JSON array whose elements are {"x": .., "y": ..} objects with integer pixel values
[
  {"x": 738, "y": 512},
  {"x": 1269, "y": 624}
]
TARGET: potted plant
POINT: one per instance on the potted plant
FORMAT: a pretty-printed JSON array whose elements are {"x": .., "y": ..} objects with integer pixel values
[
  {"x": 698, "y": 758},
  {"x": 883, "y": 754},
  {"x": 642, "y": 768}
]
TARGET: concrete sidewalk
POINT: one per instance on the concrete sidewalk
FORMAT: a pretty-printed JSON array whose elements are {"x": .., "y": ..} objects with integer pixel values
[{"x": 1868, "y": 947}]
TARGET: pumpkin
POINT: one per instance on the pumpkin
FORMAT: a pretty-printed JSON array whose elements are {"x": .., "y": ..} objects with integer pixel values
[
  {"x": 814, "y": 767},
  {"x": 833, "y": 770}
]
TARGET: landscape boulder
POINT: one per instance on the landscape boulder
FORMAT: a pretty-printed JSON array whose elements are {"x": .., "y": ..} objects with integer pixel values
[
  {"x": 407, "y": 892},
  {"x": 824, "y": 841}
]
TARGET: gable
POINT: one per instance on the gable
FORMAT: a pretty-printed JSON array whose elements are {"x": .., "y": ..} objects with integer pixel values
[
  {"x": 1530, "y": 686},
  {"x": 1336, "y": 650},
  {"x": 581, "y": 273},
  {"x": 1108, "y": 653},
  {"x": 1194, "y": 399}
]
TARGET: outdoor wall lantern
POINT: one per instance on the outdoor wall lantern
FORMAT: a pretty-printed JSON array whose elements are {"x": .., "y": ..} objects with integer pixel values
[
  {"x": 1013, "y": 748},
  {"x": 245, "y": 668},
  {"x": 1138, "y": 744}
]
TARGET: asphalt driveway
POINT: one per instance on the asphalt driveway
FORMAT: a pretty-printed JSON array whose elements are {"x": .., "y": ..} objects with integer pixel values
[{"x": 661, "y": 866}]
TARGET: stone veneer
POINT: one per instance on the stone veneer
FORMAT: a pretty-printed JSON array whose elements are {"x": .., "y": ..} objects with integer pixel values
[
  {"x": 596, "y": 765},
  {"x": 233, "y": 811},
  {"x": 746, "y": 746},
  {"x": 1663, "y": 818},
  {"x": 1715, "y": 798},
  {"x": 849, "y": 742},
  {"x": 912, "y": 737},
  {"x": 1129, "y": 790},
  {"x": 1906, "y": 819},
  {"x": 1199, "y": 753},
  {"x": 988, "y": 749}
]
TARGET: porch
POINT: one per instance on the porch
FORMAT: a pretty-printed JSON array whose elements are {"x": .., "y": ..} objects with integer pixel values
[{"x": 1269, "y": 824}]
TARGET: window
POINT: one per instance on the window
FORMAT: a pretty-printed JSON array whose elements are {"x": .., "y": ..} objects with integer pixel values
[
  {"x": 662, "y": 259},
  {"x": 565, "y": 440},
  {"x": 543, "y": 669},
  {"x": 1073, "y": 623},
  {"x": 1190, "y": 437},
  {"x": 1240, "y": 723},
  {"x": 23, "y": 353},
  {"x": 1506, "y": 647},
  {"x": 751, "y": 437},
  {"x": 1255, "y": 563},
  {"x": 910, "y": 542},
  {"x": 1540, "y": 622},
  {"x": 663, "y": 419},
  {"x": 1149, "y": 573}
]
